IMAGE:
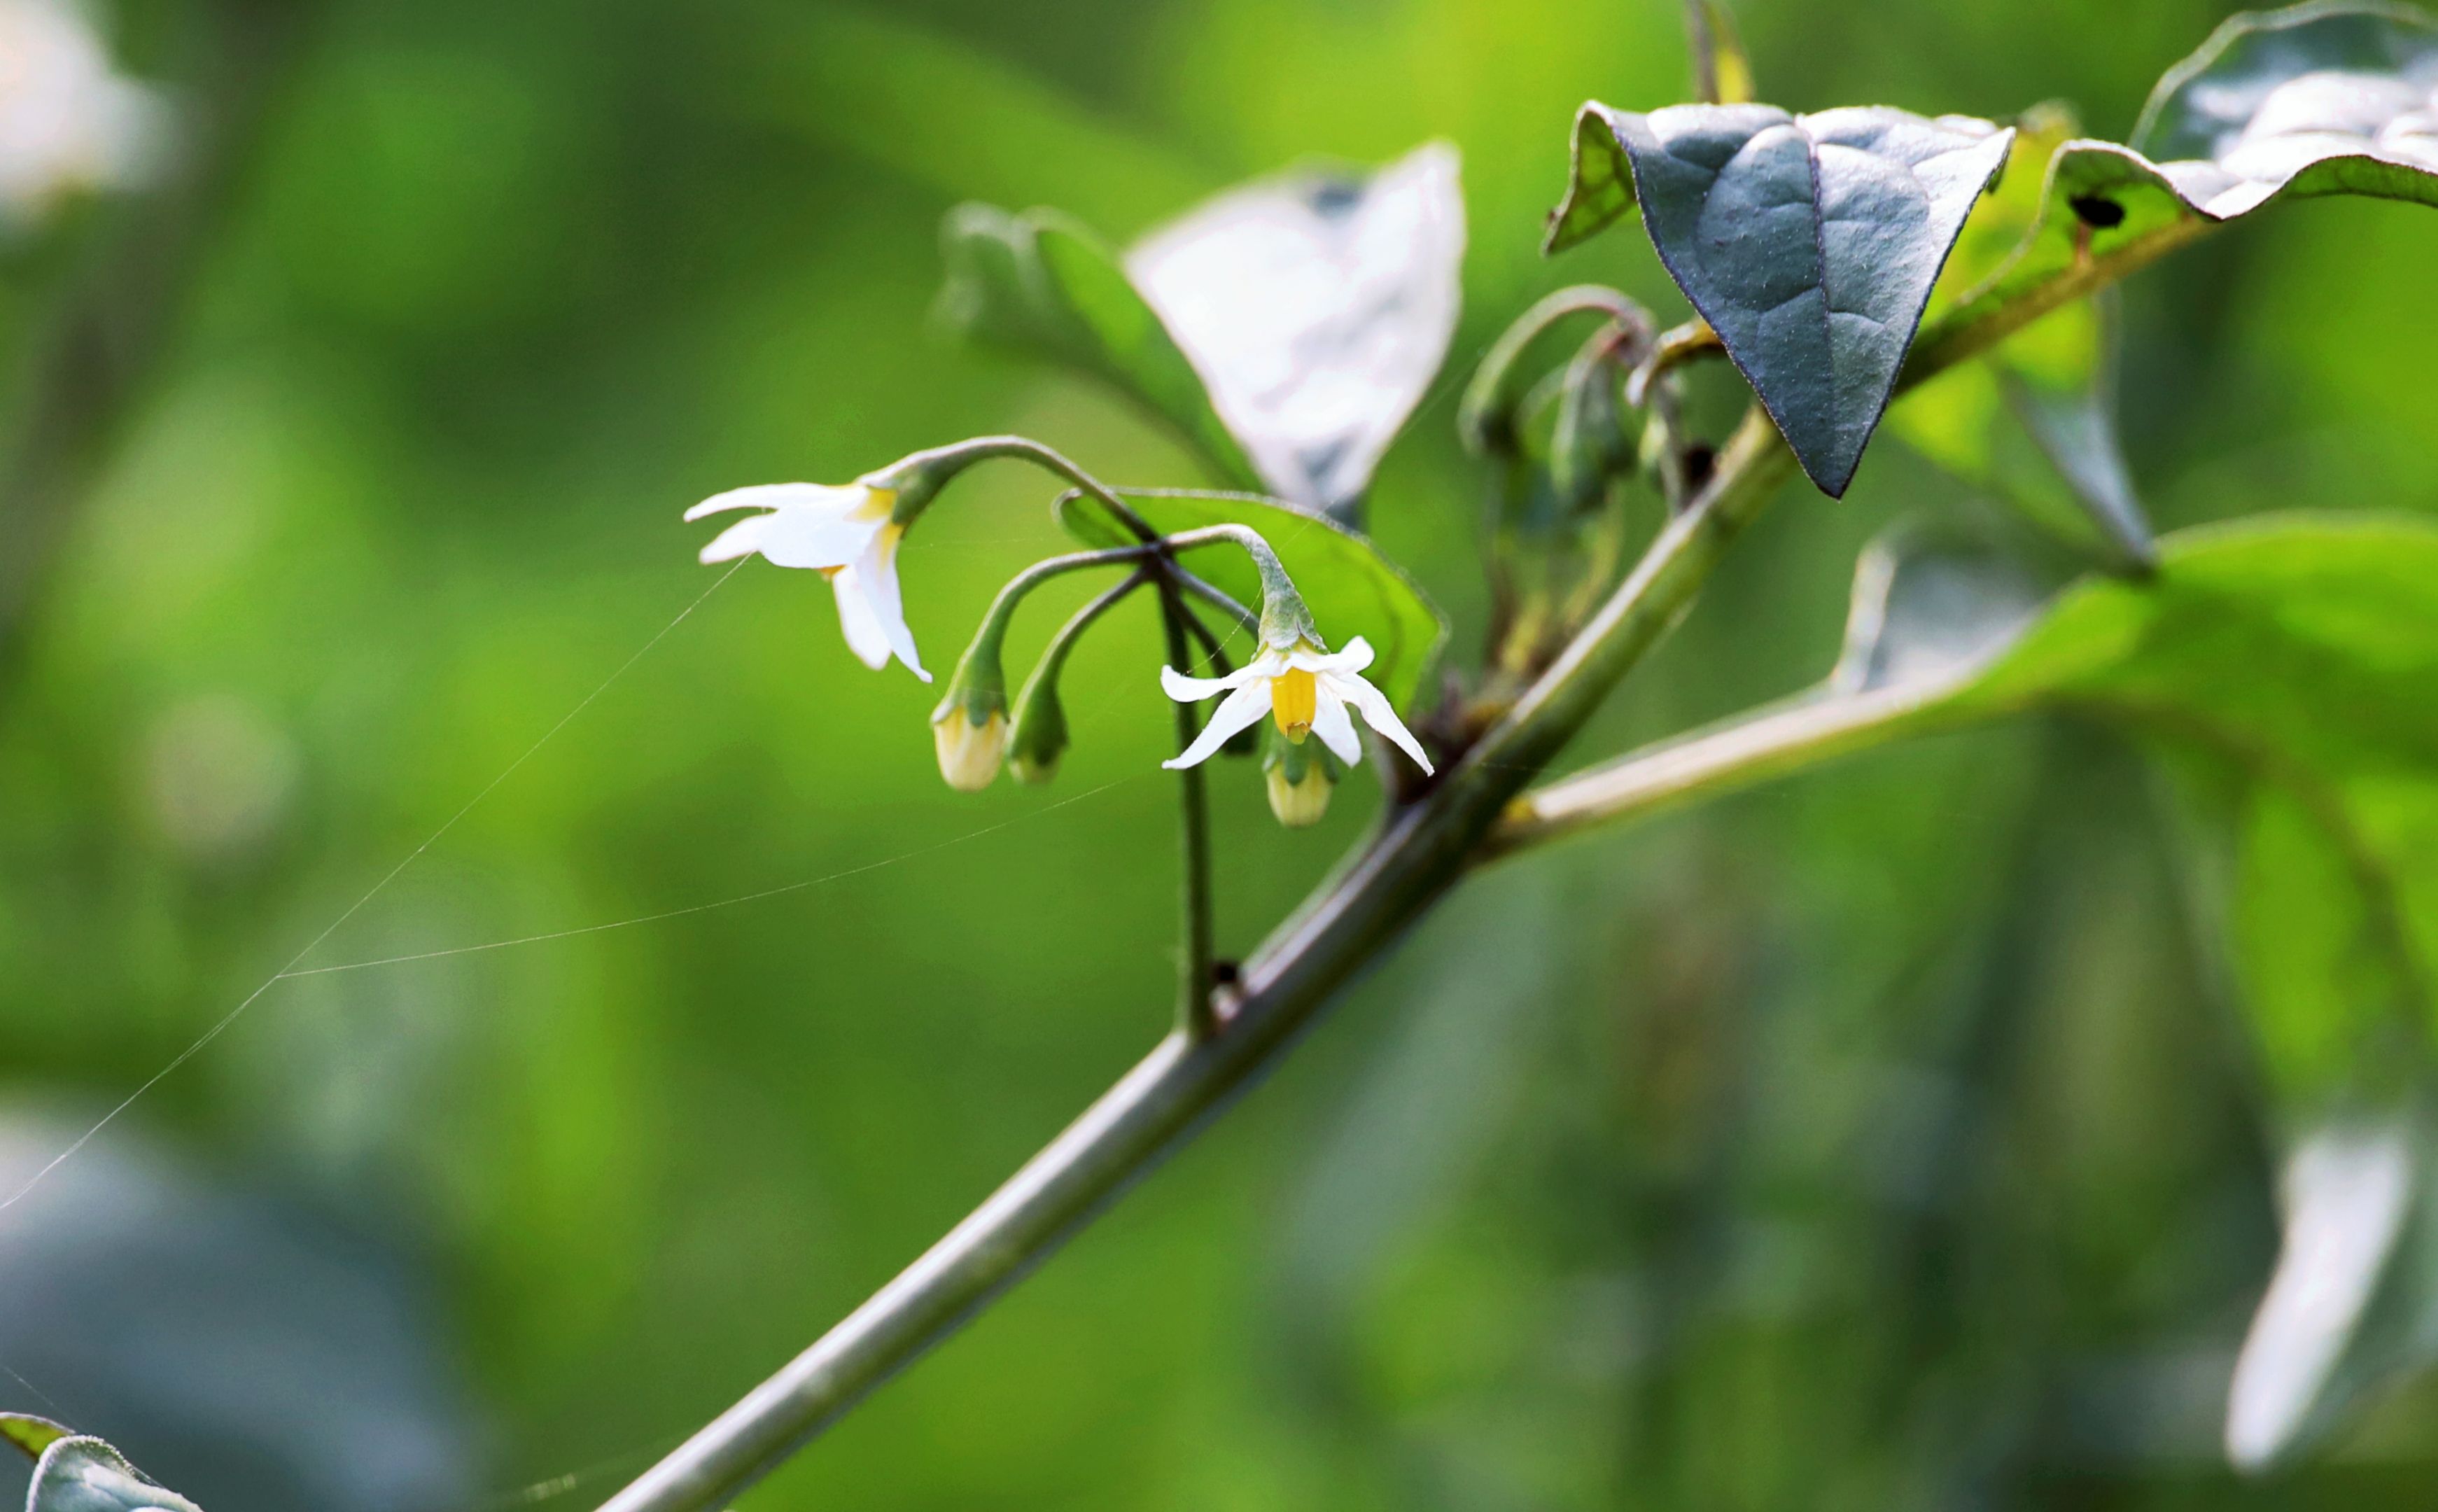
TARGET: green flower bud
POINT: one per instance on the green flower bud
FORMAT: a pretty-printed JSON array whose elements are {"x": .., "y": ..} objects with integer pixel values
[{"x": 1039, "y": 736}]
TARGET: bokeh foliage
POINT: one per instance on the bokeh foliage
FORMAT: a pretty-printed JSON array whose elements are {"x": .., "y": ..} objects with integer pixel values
[{"x": 1874, "y": 1140}]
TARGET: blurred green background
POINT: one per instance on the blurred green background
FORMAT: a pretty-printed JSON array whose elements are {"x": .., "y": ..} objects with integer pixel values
[{"x": 1875, "y": 1140}]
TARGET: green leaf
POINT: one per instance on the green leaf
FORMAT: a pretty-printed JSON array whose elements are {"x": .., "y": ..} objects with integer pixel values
[
  {"x": 1350, "y": 586},
  {"x": 2316, "y": 99},
  {"x": 1808, "y": 242},
  {"x": 1040, "y": 284},
  {"x": 2286, "y": 673},
  {"x": 80, "y": 1474},
  {"x": 2035, "y": 421},
  {"x": 1317, "y": 306}
]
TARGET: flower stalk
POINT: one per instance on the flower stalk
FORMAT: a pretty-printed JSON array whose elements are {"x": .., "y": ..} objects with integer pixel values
[{"x": 1196, "y": 1016}]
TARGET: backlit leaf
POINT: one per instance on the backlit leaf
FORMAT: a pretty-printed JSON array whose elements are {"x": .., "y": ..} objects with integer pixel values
[
  {"x": 1317, "y": 306},
  {"x": 2316, "y": 99}
]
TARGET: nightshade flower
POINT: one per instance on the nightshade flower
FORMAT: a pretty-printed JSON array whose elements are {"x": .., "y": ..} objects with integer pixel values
[
  {"x": 1306, "y": 690},
  {"x": 848, "y": 533}
]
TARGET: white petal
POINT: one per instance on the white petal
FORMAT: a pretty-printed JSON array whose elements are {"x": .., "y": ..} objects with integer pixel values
[
  {"x": 798, "y": 537},
  {"x": 1373, "y": 706},
  {"x": 820, "y": 498},
  {"x": 1330, "y": 722},
  {"x": 1187, "y": 690},
  {"x": 739, "y": 539},
  {"x": 1356, "y": 656},
  {"x": 864, "y": 636},
  {"x": 1244, "y": 708},
  {"x": 809, "y": 524},
  {"x": 876, "y": 573}
]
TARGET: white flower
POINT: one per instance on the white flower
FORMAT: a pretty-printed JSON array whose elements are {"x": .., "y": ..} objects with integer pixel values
[
  {"x": 1306, "y": 690},
  {"x": 843, "y": 533},
  {"x": 67, "y": 121}
]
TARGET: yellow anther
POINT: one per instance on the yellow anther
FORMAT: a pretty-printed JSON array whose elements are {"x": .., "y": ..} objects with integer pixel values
[{"x": 1294, "y": 697}]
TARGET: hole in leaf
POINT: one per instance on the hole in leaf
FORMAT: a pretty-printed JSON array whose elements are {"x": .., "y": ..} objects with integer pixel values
[
  {"x": 1701, "y": 459},
  {"x": 2098, "y": 210}
]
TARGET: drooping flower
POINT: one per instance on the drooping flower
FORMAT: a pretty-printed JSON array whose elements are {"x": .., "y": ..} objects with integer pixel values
[
  {"x": 848, "y": 533},
  {"x": 1306, "y": 690}
]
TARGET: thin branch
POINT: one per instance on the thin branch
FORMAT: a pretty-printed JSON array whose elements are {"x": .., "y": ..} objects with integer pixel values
[
  {"x": 1195, "y": 1015},
  {"x": 1708, "y": 763}
]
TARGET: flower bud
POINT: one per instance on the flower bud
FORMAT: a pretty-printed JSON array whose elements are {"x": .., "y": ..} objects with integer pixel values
[
  {"x": 1301, "y": 777},
  {"x": 1038, "y": 738},
  {"x": 1300, "y": 804},
  {"x": 969, "y": 749}
]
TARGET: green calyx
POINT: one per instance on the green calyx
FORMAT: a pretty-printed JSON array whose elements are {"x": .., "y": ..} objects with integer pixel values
[
  {"x": 1286, "y": 620},
  {"x": 1038, "y": 738}
]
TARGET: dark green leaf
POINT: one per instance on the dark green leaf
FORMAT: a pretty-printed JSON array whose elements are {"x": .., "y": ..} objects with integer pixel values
[
  {"x": 1317, "y": 306},
  {"x": 1350, "y": 586},
  {"x": 1040, "y": 284},
  {"x": 78, "y": 1474},
  {"x": 2072, "y": 417},
  {"x": 1808, "y": 242},
  {"x": 2316, "y": 99}
]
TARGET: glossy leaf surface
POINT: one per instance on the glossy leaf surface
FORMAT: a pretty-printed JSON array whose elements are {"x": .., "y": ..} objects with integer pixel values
[{"x": 1810, "y": 243}]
